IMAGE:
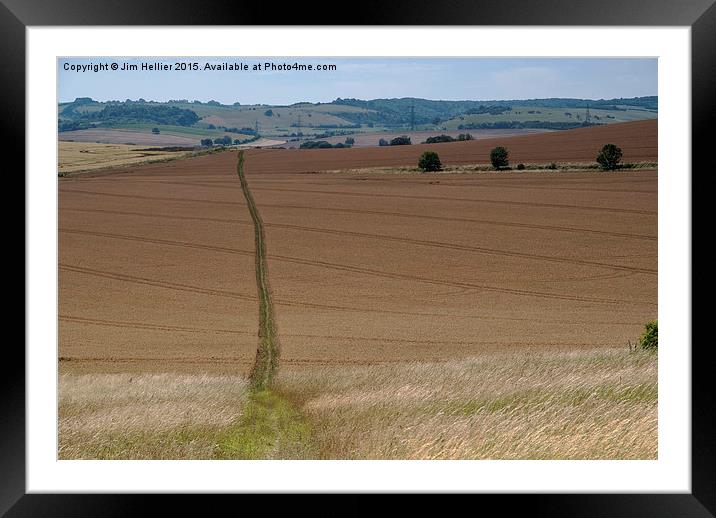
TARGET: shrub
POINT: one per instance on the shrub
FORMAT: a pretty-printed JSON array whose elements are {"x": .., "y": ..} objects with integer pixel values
[
  {"x": 650, "y": 337},
  {"x": 609, "y": 157},
  {"x": 520, "y": 166},
  {"x": 383, "y": 142},
  {"x": 155, "y": 131},
  {"x": 207, "y": 142},
  {"x": 429, "y": 161},
  {"x": 498, "y": 157},
  {"x": 552, "y": 166}
]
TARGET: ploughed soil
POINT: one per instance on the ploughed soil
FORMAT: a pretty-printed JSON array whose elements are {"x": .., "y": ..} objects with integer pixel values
[{"x": 157, "y": 266}]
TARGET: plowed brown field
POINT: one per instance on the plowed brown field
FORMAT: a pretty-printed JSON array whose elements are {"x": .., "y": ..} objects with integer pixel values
[{"x": 157, "y": 262}]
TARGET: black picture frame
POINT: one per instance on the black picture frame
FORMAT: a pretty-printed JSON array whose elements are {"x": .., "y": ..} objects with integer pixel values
[{"x": 700, "y": 15}]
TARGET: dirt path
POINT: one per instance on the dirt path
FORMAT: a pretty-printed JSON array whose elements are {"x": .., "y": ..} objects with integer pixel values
[
  {"x": 269, "y": 348},
  {"x": 270, "y": 427}
]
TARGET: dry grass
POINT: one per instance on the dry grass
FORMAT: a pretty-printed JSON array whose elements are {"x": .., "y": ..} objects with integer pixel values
[
  {"x": 519, "y": 405},
  {"x": 522, "y": 405},
  {"x": 147, "y": 416},
  {"x": 88, "y": 156}
]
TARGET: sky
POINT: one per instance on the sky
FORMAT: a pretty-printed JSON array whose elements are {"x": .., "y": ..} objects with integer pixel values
[{"x": 363, "y": 78}]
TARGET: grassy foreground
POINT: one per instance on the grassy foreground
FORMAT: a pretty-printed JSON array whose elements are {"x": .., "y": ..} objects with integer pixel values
[
  {"x": 521, "y": 405},
  {"x": 148, "y": 416},
  {"x": 518, "y": 405}
]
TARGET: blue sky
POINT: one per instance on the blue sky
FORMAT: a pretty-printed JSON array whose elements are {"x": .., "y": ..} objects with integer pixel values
[{"x": 366, "y": 78}]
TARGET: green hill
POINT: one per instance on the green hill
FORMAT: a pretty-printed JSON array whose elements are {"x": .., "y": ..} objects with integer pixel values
[{"x": 342, "y": 116}]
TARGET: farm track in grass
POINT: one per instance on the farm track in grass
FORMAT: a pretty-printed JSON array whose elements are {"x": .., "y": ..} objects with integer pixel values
[
  {"x": 270, "y": 426},
  {"x": 267, "y": 354}
]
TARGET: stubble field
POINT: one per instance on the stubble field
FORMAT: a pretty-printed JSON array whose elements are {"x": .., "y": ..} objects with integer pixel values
[
  {"x": 76, "y": 157},
  {"x": 377, "y": 271}
]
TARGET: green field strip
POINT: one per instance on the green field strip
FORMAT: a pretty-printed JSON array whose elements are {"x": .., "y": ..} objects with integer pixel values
[{"x": 268, "y": 351}]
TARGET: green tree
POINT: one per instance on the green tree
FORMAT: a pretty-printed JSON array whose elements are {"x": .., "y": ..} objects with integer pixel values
[
  {"x": 430, "y": 161},
  {"x": 223, "y": 141},
  {"x": 438, "y": 139},
  {"x": 498, "y": 157},
  {"x": 609, "y": 157},
  {"x": 650, "y": 337},
  {"x": 403, "y": 140}
]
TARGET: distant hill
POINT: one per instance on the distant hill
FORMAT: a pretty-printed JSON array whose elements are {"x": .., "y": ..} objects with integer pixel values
[{"x": 198, "y": 120}]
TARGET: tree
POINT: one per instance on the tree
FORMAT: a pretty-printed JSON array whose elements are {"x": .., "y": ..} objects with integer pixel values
[
  {"x": 268, "y": 113},
  {"x": 650, "y": 337},
  {"x": 155, "y": 131},
  {"x": 401, "y": 141},
  {"x": 429, "y": 161},
  {"x": 438, "y": 139},
  {"x": 383, "y": 142},
  {"x": 498, "y": 157},
  {"x": 609, "y": 157},
  {"x": 223, "y": 141},
  {"x": 350, "y": 141},
  {"x": 207, "y": 142}
]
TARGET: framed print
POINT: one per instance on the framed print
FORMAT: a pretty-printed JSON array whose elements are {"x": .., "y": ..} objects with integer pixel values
[{"x": 432, "y": 266}]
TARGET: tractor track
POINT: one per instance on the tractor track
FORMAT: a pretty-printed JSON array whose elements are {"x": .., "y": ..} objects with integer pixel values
[
  {"x": 368, "y": 271},
  {"x": 352, "y": 338},
  {"x": 384, "y": 237},
  {"x": 290, "y": 303},
  {"x": 267, "y": 354},
  {"x": 487, "y": 222},
  {"x": 469, "y": 200}
]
